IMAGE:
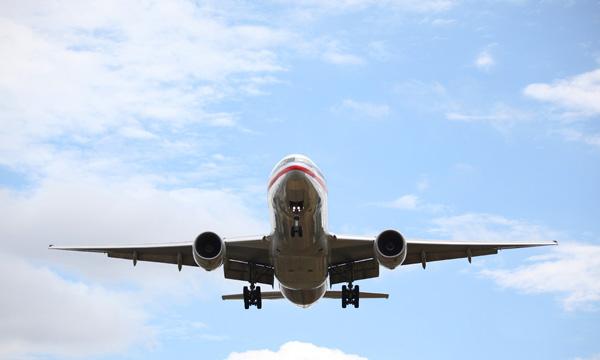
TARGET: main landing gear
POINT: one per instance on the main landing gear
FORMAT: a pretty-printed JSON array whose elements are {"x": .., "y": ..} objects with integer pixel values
[
  {"x": 350, "y": 295},
  {"x": 252, "y": 296}
]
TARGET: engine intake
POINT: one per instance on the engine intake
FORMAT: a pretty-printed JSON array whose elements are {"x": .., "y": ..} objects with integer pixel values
[
  {"x": 390, "y": 248},
  {"x": 208, "y": 250}
]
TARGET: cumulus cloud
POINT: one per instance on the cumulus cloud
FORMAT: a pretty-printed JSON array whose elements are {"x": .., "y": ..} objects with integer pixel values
[
  {"x": 94, "y": 71},
  {"x": 94, "y": 210},
  {"x": 44, "y": 313},
  {"x": 579, "y": 94},
  {"x": 295, "y": 350},
  {"x": 572, "y": 271}
]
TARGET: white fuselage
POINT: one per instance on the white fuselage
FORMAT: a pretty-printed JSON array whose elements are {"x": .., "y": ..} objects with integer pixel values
[{"x": 299, "y": 242}]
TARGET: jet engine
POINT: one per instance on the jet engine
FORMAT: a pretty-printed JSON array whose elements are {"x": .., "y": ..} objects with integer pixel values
[
  {"x": 390, "y": 248},
  {"x": 208, "y": 250}
]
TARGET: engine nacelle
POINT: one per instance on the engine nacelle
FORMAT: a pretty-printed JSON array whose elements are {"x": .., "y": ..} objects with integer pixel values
[
  {"x": 390, "y": 248},
  {"x": 208, "y": 250}
]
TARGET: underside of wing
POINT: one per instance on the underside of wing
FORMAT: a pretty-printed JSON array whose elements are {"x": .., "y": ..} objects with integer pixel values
[
  {"x": 354, "y": 257},
  {"x": 423, "y": 251},
  {"x": 171, "y": 253},
  {"x": 244, "y": 258}
]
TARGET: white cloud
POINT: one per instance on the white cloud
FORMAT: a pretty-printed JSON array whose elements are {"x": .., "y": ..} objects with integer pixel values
[
  {"x": 93, "y": 210},
  {"x": 44, "y": 313},
  {"x": 341, "y": 58},
  {"x": 579, "y": 94},
  {"x": 312, "y": 8},
  {"x": 81, "y": 208},
  {"x": 423, "y": 184},
  {"x": 364, "y": 109},
  {"x": 571, "y": 270},
  {"x": 411, "y": 202},
  {"x": 443, "y": 22},
  {"x": 92, "y": 70},
  {"x": 332, "y": 51},
  {"x": 591, "y": 357},
  {"x": 501, "y": 116},
  {"x": 295, "y": 350},
  {"x": 484, "y": 60},
  {"x": 579, "y": 136},
  {"x": 405, "y": 202},
  {"x": 184, "y": 329},
  {"x": 489, "y": 227}
]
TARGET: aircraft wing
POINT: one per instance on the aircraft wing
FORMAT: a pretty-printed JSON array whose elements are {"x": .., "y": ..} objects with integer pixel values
[
  {"x": 423, "y": 251},
  {"x": 240, "y": 251},
  {"x": 353, "y": 257}
]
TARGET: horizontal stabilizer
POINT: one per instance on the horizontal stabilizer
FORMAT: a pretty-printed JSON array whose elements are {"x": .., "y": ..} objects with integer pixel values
[
  {"x": 363, "y": 295},
  {"x": 265, "y": 295}
]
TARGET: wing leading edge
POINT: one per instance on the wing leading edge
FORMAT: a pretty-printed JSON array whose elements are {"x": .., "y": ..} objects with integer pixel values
[
  {"x": 353, "y": 249},
  {"x": 244, "y": 257}
]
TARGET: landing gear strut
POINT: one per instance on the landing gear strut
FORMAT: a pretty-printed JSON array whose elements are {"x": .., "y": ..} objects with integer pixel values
[
  {"x": 350, "y": 295},
  {"x": 296, "y": 207},
  {"x": 252, "y": 296}
]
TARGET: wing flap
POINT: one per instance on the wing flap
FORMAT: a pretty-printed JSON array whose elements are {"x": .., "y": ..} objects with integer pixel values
[
  {"x": 352, "y": 271},
  {"x": 251, "y": 272},
  {"x": 251, "y": 251},
  {"x": 345, "y": 249}
]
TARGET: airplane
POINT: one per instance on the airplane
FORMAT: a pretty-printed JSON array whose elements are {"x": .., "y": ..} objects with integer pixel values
[{"x": 300, "y": 252}]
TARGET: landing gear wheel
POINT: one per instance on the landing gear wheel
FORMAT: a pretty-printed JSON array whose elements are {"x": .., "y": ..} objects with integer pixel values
[
  {"x": 246, "y": 298},
  {"x": 350, "y": 295},
  {"x": 344, "y": 296},
  {"x": 252, "y": 296},
  {"x": 258, "y": 298}
]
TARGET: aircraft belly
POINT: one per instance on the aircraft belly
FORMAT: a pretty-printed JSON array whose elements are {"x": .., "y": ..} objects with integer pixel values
[
  {"x": 299, "y": 245},
  {"x": 304, "y": 298},
  {"x": 301, "y": 272}
]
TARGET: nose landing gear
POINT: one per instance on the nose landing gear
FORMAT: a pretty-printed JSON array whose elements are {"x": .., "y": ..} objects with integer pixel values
[
  {"x": 350, "y": 295},
  {"x": 296, "y": 207},
  {"x": 252, "y": 296}
]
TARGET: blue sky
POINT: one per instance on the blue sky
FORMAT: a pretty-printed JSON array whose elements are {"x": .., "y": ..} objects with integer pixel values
[{"x": 138, "y": 121}]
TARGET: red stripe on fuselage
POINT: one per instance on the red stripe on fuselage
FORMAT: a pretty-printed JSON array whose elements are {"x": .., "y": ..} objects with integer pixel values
[{"x": 299, "y": 168}]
